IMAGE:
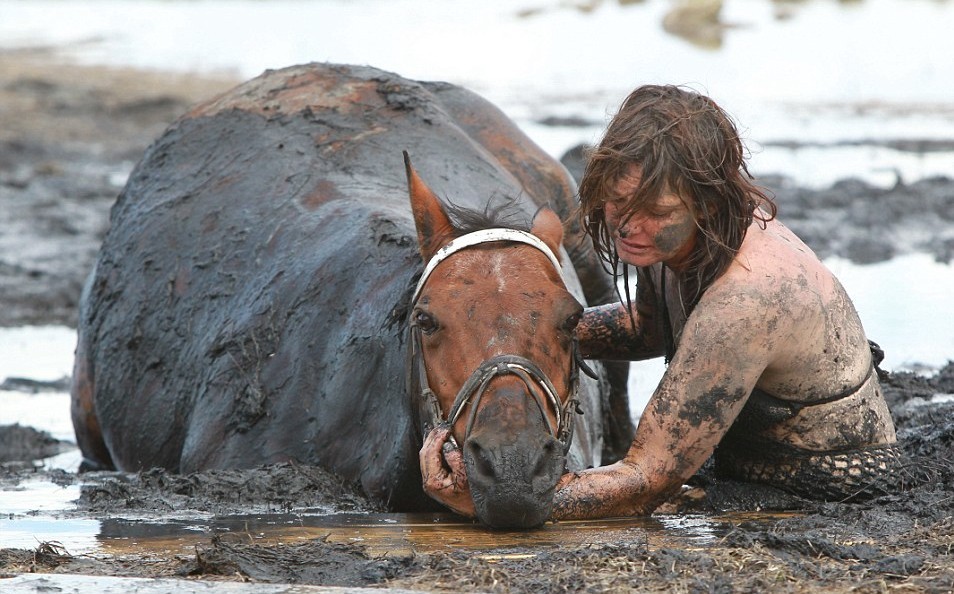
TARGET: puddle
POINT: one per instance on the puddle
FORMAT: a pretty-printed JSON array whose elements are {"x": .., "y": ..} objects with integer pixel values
[
  {"x": 381, "y": 534},
  {"x": 43, "y": 583}
]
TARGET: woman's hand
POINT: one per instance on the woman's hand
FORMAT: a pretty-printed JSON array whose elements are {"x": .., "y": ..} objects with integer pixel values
[{"x": 442, "y": 469}]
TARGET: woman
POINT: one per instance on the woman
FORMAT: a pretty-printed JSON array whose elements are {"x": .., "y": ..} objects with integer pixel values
[{"x": 768, "y": 365}]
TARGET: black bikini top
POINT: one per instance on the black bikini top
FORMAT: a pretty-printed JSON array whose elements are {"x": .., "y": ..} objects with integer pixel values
[{"x": 763, "y": 410}]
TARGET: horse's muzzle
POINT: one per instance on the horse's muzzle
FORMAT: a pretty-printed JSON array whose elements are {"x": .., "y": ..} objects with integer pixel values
[{"x": 512, "y": 474}]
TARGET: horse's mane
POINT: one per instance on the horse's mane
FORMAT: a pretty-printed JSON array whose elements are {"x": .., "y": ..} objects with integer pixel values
[{"x": 497, "y": 213}]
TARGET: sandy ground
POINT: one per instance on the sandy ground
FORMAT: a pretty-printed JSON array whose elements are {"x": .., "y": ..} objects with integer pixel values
[{"x": 69, "y": 135}]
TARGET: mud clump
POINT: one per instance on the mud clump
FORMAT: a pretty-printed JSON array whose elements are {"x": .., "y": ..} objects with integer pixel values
[
  {"x": 46, "y": 557},
  {"x": 20, "y": 444},
  {"x": 280, "y": 487},
  {"x": 316, "y": 563}
]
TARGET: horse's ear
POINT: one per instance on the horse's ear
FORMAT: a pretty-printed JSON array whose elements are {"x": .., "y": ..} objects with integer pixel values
[
  {"x": 548, "y": 227},
  {"x": 434, "y": 228}
]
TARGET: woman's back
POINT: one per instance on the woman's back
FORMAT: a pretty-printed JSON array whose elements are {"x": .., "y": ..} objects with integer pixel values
[{"x": 820, "y": 364}]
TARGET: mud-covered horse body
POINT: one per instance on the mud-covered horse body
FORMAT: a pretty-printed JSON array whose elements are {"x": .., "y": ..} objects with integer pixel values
[{"x": 246, "y": 307}]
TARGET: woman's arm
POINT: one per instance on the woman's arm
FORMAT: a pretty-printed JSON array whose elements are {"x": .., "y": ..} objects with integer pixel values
[
  {"x": 614, "y": 332},
  {"x": 723, "y": 351}
]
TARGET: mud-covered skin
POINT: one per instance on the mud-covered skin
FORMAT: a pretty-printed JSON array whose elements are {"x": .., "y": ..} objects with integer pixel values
[
  {"x": 606, "y": 332},
  {"x": 776, "y": 320},
  {"x": 242, "y": 307}
]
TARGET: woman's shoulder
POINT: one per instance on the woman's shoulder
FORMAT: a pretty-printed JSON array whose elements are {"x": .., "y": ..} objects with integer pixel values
[
  {"x": 776, "y": 269},
  {"x": 773, "y": 251}
]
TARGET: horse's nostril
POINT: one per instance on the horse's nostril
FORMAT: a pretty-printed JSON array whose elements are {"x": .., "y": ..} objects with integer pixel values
[
  {"x": 544, "y": 465},
  {"x": 531, "y": 464},
  {"x": 512, "y": 483},
  {"x": 481, "y": 459}
]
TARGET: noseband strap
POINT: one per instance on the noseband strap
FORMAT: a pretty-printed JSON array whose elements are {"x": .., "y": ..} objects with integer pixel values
[
  {"x": 476, "y": 385},
  {"x": 536, "y": 381}
]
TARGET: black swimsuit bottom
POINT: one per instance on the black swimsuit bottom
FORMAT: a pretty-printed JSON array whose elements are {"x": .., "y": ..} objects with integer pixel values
[{"x": 851, "y": 475}]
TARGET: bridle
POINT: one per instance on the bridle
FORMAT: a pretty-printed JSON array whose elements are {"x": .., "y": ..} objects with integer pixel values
[{"x": 476, "y": 385}]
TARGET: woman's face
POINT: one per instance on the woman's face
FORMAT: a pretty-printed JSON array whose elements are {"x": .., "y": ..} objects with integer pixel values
[{"x": 664, "y": 231}]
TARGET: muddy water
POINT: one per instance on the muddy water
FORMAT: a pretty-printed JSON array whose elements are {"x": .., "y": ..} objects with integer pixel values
[
  {"x": 821, "y": 88},
  {"x": 378, "y": 533}
]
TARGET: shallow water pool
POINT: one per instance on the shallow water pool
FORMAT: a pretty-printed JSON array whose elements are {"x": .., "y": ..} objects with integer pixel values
[{"x": 381, "y": 534}]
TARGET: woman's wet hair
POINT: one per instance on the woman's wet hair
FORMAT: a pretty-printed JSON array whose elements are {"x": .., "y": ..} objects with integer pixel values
[{"x": 682, "y": 142}]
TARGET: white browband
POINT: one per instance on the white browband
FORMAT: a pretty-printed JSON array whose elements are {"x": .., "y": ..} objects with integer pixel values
[{"x": 484, "y": 236}]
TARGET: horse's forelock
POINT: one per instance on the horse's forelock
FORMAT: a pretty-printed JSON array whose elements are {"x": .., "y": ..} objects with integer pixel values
[{"x": 499, "y": 211}]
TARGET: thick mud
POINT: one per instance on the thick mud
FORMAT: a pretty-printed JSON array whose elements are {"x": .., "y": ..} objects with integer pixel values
[
  {"x": 901, "y": 542},
  {"x": 69, "y": 134},
  {"x": 19, "y": 443}
]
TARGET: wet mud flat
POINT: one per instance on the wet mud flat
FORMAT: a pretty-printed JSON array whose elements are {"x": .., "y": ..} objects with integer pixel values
[
  {"x": 290, "y": 524},
  {"x": 69, "y": 134}
]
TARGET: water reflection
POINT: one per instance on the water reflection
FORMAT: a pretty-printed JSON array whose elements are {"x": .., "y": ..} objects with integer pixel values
[{"x": 379, "y": 533}]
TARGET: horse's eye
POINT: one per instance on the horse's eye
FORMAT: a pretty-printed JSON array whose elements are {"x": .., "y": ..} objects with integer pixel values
[
  {"x": 424, "y": 321},
  {"x": 571, "y": 322}
]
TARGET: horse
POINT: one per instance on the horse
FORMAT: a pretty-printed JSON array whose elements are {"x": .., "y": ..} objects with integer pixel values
[{"x": 255, "y": 299}]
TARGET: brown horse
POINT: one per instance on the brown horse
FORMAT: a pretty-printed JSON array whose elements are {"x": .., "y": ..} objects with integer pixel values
[{"x": 252, "y": 302}]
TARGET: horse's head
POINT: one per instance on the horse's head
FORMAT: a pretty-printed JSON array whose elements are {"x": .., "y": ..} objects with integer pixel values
[{"x": 493, "y": 353}]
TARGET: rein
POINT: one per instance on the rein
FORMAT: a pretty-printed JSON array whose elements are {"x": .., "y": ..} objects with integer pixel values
[{"x": 476, "y": 385}]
